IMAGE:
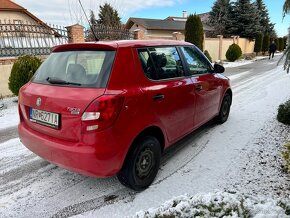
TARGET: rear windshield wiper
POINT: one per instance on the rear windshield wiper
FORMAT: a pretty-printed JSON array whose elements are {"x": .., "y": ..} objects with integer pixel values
[{"x": 53, "y": 80}]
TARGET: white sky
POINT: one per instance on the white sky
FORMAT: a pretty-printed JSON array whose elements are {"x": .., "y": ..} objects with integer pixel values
[{"x": 69, "y": 11}]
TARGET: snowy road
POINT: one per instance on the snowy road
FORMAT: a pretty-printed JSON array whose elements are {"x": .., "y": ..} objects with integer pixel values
[{"x": 211, "y": 158}]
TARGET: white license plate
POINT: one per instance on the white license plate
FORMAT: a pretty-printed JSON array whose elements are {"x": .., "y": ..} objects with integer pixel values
[{"x": 44, "y": 117}]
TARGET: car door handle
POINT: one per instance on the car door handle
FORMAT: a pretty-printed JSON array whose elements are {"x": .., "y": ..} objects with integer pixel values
[
  {"x": 198, "y": 87},
  {"x": 158, "y": 97}
]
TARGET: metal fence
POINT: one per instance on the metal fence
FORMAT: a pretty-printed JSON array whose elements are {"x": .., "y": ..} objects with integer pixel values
[
  {"x": 21, "y": 38},
  {"x": 105, "y": 33}
]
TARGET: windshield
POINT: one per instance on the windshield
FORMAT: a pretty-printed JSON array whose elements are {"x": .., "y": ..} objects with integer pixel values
[{"x": 76, "y": 68}]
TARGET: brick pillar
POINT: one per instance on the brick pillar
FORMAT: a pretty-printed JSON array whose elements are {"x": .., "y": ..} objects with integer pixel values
[
  {"x": 220, "y": 37},
  {"x": 139, "y": 34},
  {"x": 177, "y": 36},
  {"x": 75, "y": 33}
]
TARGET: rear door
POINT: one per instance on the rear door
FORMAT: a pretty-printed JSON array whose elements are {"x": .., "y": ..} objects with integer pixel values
[
  {"x": 169, "y": 93},
  {"x": 207, "y": 84}
]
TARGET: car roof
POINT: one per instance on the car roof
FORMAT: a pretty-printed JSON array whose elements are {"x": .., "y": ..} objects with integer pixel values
[{"x": 113, "y": 45}]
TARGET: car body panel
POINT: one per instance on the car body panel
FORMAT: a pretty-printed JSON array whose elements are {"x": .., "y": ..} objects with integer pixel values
[{"x": 102, "y": 153}]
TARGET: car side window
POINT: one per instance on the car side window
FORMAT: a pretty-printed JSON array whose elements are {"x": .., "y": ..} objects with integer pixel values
[
  {"x": 161, "y": 63},
  {"x": 197, "y": 64}
]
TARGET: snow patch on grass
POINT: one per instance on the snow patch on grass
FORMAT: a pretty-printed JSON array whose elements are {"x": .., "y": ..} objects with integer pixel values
[
  {"x": 8, "y": 113},
  {"x": 219, "y": 204}
]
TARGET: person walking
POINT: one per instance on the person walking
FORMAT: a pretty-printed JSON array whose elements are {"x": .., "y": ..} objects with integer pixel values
[{"x": 272, "y": 49}]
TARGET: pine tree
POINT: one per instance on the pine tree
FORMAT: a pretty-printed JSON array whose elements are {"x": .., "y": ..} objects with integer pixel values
[
  {"x": 264, "y": 19},
  {"x": 108, "y": 16},
  {"x": 258, "y": 43},
  {"x": 93, "y": 23},
  {"x": 93, "y": 20},
  {"x": 194, "y": 31},
  {"x": 220, "y": 17},
  {"x": 245, "y": 19}
]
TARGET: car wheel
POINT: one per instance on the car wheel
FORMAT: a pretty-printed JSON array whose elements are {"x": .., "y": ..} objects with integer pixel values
[
  {"x": 225, "y": 109},
  {"x": 142, "y": 164}
]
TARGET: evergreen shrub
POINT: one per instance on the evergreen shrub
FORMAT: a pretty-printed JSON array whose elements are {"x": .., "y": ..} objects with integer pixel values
[
  {"x": 258, "y": 43},
  {"x": 281, "y": 44},
  {"x": 277, "y": 42},
  {"x": 234, "y": 53},
  {"x": 22, "y": 71},
  {"x": 286, "y": 156},
  {"x": 284, "y": 113},
  {"x": 266, "y": 43},
  {"x": 194, "y": 31},
  {"x": 206, "y": 53}
]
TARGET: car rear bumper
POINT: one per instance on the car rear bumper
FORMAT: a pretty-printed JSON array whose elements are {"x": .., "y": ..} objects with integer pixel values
[{"x": 99, "y": 159}]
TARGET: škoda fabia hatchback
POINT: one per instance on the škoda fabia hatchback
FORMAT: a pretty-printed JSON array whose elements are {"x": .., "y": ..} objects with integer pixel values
[{"x": 112, "y": 108}]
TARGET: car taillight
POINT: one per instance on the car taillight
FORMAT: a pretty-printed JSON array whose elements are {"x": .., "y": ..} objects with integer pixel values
[{"x": 102, "y": 113}]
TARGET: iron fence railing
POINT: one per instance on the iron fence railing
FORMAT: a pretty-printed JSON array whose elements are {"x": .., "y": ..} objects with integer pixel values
[
  {"x": 105, "y": 33},
  {"x": 19, "y": 38}
]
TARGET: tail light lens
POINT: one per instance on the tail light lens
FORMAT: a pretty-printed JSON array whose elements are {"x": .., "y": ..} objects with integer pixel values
[{"x": 102, "y": 113}]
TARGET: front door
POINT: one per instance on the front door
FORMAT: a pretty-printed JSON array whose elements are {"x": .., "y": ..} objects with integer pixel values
[
  {"x": 207, "y": 85},
  {"x": 169, "y": 92}
]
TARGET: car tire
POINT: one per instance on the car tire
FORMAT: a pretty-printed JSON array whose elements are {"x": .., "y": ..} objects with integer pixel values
[
  {"x": 225, "y": 109},
  {"x": 142, "y": 164}
]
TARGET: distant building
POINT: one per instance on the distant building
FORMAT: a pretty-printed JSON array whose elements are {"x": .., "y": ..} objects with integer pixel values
[
  {"x": 165, "y": 28},
  {"x": 21, "y": 20},
  {"x": 23, "y": 33},
  {"x": 14, "y": 13}
]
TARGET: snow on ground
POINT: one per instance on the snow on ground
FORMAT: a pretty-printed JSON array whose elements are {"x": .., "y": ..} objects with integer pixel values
[
  {"x": 221, "y": 151},
  {"x": 256, "y": 173},
  {"x": 218, "y": 204},
  {"x": 8, "y": 113},
  {"x": 243, "y": 62}
]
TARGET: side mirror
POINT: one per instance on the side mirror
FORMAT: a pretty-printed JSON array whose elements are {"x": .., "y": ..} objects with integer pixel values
[{"x": 218, "y": 68}]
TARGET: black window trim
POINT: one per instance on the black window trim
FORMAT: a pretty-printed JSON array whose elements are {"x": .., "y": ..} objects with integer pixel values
[{"x": 187, "y": 70}]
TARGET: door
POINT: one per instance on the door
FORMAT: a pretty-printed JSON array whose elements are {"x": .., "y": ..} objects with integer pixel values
[
  {"x": 208, "y": 86},
  {"x": 168, "y": 91}
]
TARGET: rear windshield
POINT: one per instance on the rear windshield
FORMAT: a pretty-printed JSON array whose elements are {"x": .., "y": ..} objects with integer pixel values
[{"x": 76, "y": 68}]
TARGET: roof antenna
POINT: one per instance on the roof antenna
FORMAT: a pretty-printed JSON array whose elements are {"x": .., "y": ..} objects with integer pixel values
[{"x": 91, "y": 27}]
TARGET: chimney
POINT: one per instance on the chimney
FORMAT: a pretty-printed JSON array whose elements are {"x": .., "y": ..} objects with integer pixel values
[{"x": 184, "y": 14}]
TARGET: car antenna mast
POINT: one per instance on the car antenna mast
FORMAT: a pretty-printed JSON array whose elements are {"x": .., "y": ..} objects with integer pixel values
[{"x": 91, "y": 27}]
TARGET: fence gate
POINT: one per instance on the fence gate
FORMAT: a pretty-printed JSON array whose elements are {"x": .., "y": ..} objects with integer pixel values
[{"x": 21, "y": 38}]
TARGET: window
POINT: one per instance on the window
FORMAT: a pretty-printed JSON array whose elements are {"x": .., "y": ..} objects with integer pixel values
[
  {"x": 161, "y": 63},
  {"x": 197, "y": 64},
  {"x": 86, "y": 68}
]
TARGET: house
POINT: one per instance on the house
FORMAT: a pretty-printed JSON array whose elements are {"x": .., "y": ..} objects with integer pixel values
[
  {"x": 158, "y": 28},
  {"x": 12, "y": 13}
]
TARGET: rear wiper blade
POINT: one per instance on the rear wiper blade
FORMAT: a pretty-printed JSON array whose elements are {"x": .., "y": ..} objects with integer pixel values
[{"x": 53, "y": 80}]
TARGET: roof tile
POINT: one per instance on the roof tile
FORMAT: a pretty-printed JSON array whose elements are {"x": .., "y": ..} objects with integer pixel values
[{"x": 8, "y": 5}]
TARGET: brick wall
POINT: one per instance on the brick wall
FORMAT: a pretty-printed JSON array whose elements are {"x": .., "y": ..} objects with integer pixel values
[{"x": 75, "y": 33}]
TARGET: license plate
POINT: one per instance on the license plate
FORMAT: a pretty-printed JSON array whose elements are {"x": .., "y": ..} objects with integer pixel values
[{"x": 44, "y": 117}]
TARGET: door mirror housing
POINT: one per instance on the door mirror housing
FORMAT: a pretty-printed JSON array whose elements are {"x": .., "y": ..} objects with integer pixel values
[{"x": 218, "y": 68}]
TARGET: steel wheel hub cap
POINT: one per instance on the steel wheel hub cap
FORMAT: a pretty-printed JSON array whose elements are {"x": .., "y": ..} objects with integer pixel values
[{"x": 144, "y": 163}]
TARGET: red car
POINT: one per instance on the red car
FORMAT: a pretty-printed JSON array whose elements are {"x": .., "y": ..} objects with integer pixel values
[{"x": 112, "y": 108}]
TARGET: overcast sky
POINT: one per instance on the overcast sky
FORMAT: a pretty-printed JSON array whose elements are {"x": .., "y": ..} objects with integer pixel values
[{"x": 67, "y": 12}]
